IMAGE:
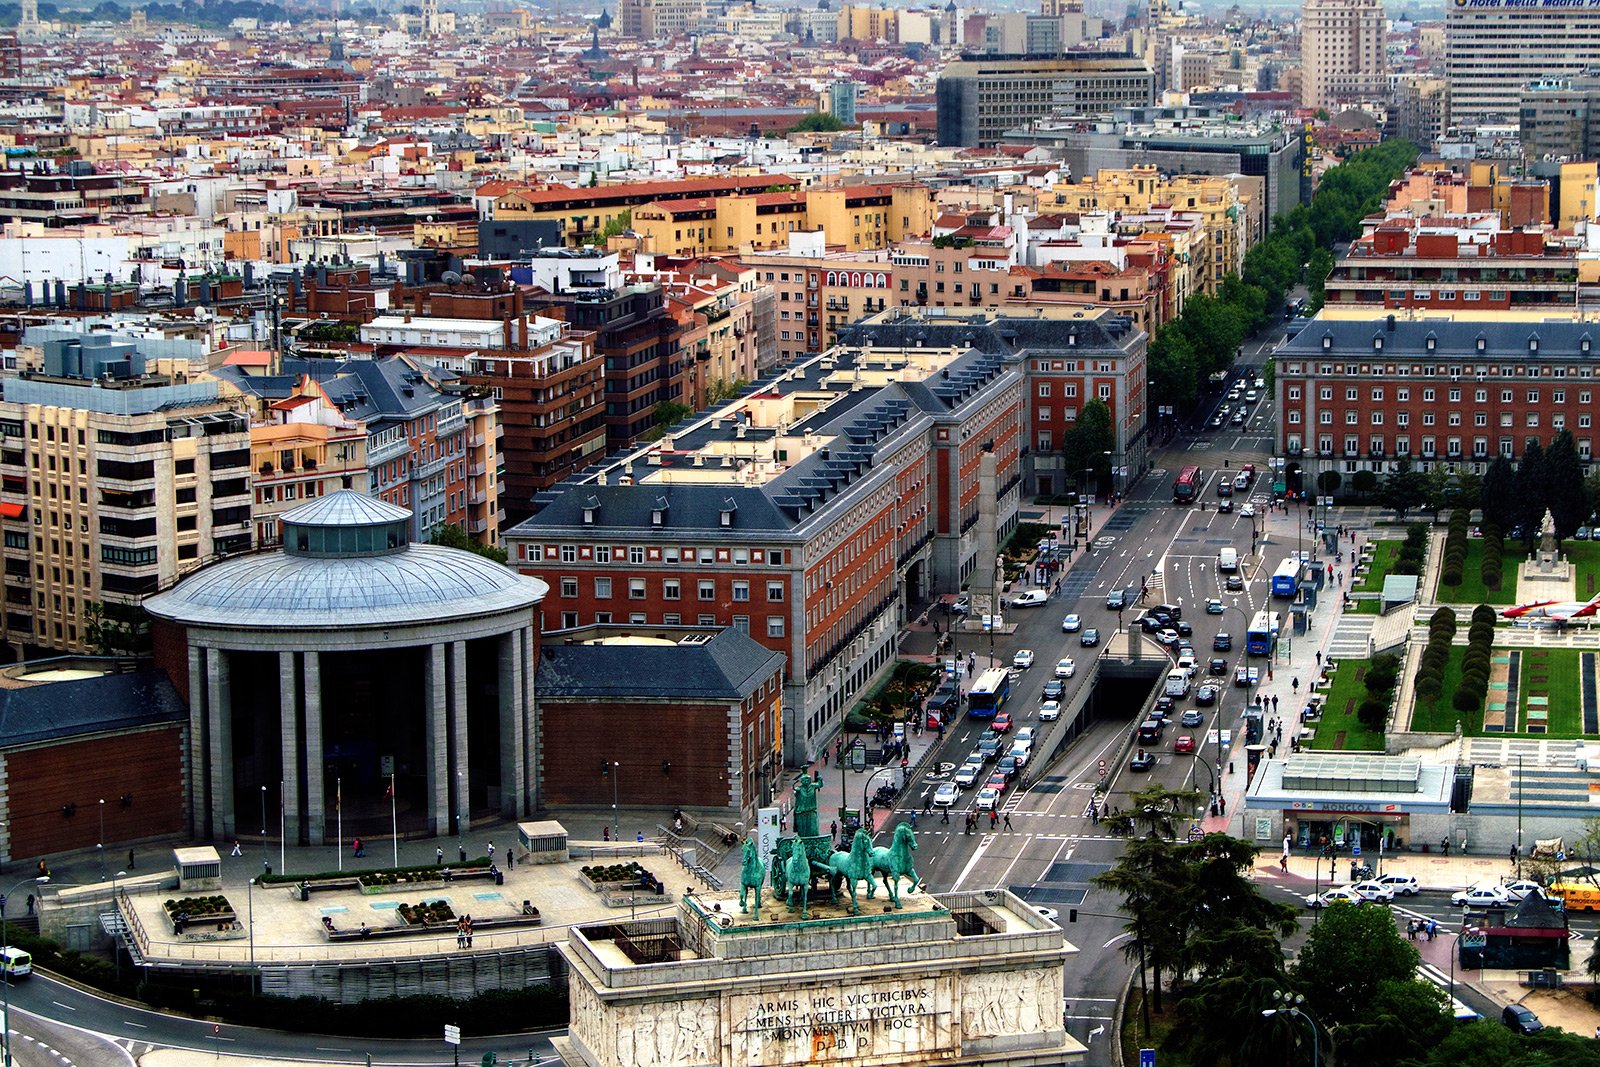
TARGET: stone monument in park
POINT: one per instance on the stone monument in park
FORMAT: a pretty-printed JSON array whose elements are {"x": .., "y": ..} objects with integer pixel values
[{"x": 825, "y": 970}]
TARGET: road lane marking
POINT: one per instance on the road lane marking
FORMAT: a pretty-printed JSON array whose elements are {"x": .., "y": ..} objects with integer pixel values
[
  {"x": 1114, "y": 940},
  {"x": 977, "y": 854}
]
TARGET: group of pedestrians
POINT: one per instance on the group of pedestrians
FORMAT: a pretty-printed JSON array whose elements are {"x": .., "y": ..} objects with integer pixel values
[
  {"x": 464, "y": 932},
  {"x": 1428, "y": 929}
]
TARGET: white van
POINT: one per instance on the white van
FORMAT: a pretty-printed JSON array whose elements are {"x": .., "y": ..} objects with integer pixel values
[
  {"x": 15, "y": 963},
  {"x": 1177, "y": 683},
  {"x": 1227, "y": 559}
]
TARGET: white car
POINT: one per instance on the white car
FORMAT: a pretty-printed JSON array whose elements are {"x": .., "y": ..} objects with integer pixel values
[
  {"x": 1065, "y": 668},
  {"x": 1376, "y": 892},
  {"x": 1020, "y": 751},
  {"x": 1025, "y": 733},
  {"x": 988, "y": 798},
  {"x": 1050, "y": 711},
  {"x": 945, "y": 795},
  {"x": 1401, "y": 884},
  {"x": 1030, "y": 599},
  {"x": 1247, "y": 512},
  {"x": 1334, "y": 896},
  {"x": 1023, "y": 659},
  {"x": 968, "y": 775},
  {"x": 1480, "y": 896},
  {"x": 1521, "y": 890},
  {"x": 1071, "y": 624}
]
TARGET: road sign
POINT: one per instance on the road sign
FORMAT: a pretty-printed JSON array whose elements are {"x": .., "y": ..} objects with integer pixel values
[
  {"x": 1103, "y": 768},
  {"x": 452, "y": 1034},
  {"x": 1355, "y": 848},
  {"x": 1147, "y": 1057}
]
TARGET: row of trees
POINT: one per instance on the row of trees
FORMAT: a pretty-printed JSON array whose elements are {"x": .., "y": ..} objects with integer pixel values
[
  {"x": 1380, "y": 679},
  {"x": 1206, "y": 337},
  {"x": 1491, "y": 565},
  {"x": 1454, "y": 561},
  {"x": 1430, "y": 671},
  {"x": 1544, "y": 478}
]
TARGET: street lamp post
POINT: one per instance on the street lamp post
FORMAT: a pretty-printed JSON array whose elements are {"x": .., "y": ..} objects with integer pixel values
[
  {"x": 100, "y": 842},
  {"x": 116, "y": 949},
  {"x": 5, "y": 984},
  {"x": 250, "y": 890},
  {"x": 1289, "y": 1004},
  {"x": 616, "y": 813}
]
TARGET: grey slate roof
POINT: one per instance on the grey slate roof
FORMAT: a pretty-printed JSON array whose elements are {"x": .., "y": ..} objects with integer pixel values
[
  {"x": 1451, "y": 339},
  {"x": 55, "y": 710},
  {"x": 371, "y": 390},
  {"x": 726, "y": 668}
]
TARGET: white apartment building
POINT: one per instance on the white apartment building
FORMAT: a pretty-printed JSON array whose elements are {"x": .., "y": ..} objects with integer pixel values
[{"x": 1341, "y": 51}]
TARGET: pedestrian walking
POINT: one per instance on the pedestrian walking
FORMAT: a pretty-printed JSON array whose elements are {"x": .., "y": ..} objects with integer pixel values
[
  {"x": 994, "y": 818},
  {"x": 438, "y": 856},
  {"x": 1319, "y": 661},
  {"x": 463, "y": 849},
  {"x": 1008, "y": 820},
  {"x": 130, "y": 859},
  {"x": 1222, "y": 803},
  {"x": 1294, "y": 683},
  {"x": 833, "y": 828},
  {"x": 1444, "y": 844},
  {"x": 238, "y": 850},
  {"x": 1283, "y": 863},
  {"x": 913, "y": 820},
  {"x": 356, "y": 849},
  {"x": 491, "y": 851},
  {"x": 1274, "y": 704},
  {"x": 945, "y": 818}
]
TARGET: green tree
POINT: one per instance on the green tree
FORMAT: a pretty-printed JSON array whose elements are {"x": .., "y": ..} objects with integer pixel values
[
  {"x": 1403, "y": 1021},
  {"x": 1318, "y": 267},
  {"x": 817, "y": 122},
  {"x": 669, "y": 412},
  {"x": 1403, "y": 488},
  {"x": 1150, "y": 877},
  {"x": 1500, "y": 493},
  {"x": 1328, "y": 482},
  {"x": 1084, "y": 447},
  {"x": 117, "y": 629},
  {"x": 1350, "y": 952},
  {"x": 451, "y": 535},
  {"x": 1563, "y": 481},
  {"x": 1363, "y": 482},
  {"x": 615, "y": 226},
  {"x": 1170, "y": 363},
  {"x": 1532, "y": 491},
  {"x": 1159, "y": 810}
]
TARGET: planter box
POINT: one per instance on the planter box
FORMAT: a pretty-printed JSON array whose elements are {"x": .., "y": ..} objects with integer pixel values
[{"x": 399, "y": 887}]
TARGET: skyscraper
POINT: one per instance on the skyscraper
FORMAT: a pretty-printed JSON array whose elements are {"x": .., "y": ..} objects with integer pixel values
[
  {"x": 1494, "y": 48},
  {"x": 1341, "y": 51}
]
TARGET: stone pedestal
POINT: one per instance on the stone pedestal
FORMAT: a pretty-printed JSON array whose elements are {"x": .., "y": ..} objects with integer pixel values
[{"x": 963, "y": 978}]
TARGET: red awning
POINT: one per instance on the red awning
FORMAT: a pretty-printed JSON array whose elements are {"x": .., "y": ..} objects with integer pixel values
[{"x": 11, "y": 511}]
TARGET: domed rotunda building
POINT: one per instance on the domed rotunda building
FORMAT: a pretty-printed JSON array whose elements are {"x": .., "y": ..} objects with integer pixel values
[{"x": 346, "y": 659}]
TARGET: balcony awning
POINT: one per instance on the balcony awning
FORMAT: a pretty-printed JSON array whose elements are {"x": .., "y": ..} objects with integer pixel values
[{"x": 11, "y": 511}]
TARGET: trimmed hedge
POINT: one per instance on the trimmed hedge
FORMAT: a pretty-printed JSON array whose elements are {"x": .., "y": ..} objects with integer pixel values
[
  {"x": 1490, "y": 564},
  {"x": 1455, "y": 548},
  {"x": 296, "y": 879},
  {"x": 1430, "y": 668},
  {"x": 1413, "y": 550}
]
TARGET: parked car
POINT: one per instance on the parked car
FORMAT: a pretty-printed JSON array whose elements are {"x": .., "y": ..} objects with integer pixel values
[
  {"x": 1167, "y": 637},
  {"x": 1402, "y": 884},
  {"x": 1071, "y": 624},
  {"x": 946, "y": 794},
  {"x": 1065, "y": 668},
  {"x": 1171, "y": 611},
  {"x": 1223, "y": 642},
  {"x": 1002, "y": 722},
  {"x": 1191, "y": 717},
  {"x": 1141, "y": 761},
  {"x": 987, "y": 798},
  {"x": 1480, "y": 896},
  {"x": 1023, "y": 658},
  {"x": 1184, "y": 629},
  {"x": 1151, "y": 623},
  {"x": 1374, "y": 891},
  {"x": 1032, "y": 598},
  {"x": 1521, "y": 1020},
  {"x": 1334, "y": 896},
  {"x": 1583, "y": 533},
  {"x": 1214, "y": 606},
  {"x": 1050, "y": 711},
  {"x": 1090, "y": 638},
  {"x": 1184, "y": 743}
]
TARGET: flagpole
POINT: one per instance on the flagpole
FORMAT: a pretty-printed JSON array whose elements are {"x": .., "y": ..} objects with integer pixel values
[
  {"x": 338, "y": 814},
  {"x": 394, "y": 822},
  {"x": 283, "y": 840}
]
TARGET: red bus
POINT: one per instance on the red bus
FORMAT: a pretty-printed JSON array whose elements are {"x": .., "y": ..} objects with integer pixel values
[{"x": 1187, "y": 487}]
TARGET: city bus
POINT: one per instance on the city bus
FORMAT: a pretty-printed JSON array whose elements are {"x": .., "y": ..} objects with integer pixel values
[
  {"x": 1187, "y": 487},
  {"x": 1262, "y": 637},
  {"x": 1286, "y": 579},
  {"x": 988, "y": 694}
]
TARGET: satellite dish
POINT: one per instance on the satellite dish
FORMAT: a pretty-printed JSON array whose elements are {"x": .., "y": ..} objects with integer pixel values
[
  {"x": 467, "y": 279},
  {"x": 450, "y": 277}
]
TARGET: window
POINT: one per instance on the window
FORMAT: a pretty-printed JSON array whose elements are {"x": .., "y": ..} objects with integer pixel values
[
  {"x": 1044, "y": 388},
  {"x": 670, "y": 589},
  {"x": 774, "y": 591},
  {"x": 635, "y": 588},
  {"x": 602, "y": 588},
  {"x": 1455, "y": 396},
  {"x": 635, "y": 554},
  {"x": 774, "y": 625},
  {"x": 741, "y": 591},
  {"x": 569, "y": 587},
  {"x": 569, "y": 553},
  {"x": 1352, "y": 417},
  {"x": 569, "y": 620},
  {"x": 708, "y": 589},
  {"x": 1350, "y": 393}
]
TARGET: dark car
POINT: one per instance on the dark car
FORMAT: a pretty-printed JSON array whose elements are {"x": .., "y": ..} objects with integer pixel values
[
  {"x": 1226, "y": 507},
  {"x": 1520, "y": 1019},
  {"x": 1224, "y": 487},
  {"x": 1223, "y": 642},
  {"x": 1151, "y": 623},
  {"x": 1143, "y": 761},
  {"x": 1170, "y": 610},
  {"x": 1162, "y": 707},
  {"x": 1090, "y": 638},
  {"x": 1219, "y": 665},
  {"x": 1235, "y": 584},
  {"x": 1055, "y": 689},
  {"x": 1206, "y": 695},
  {"x": 1184, "y": 629}
]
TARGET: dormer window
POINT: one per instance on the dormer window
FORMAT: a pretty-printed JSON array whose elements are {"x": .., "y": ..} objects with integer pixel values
[
  {"x": 1432, "y": 342},
  {"x": 1483, "y": 344},
  {"x": 1533, "y": 346},
  {"x": 1327, "y": 342},
  {"x": 1377, "y": 344},
  {"x": 728, "y": 508},
  {"x": 658, "y": 514},
  {"x": 591, "y": 508},
  {"x": 1583, "y": 346}
]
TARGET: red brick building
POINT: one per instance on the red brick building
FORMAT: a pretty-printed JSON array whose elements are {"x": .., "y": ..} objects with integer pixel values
[{"x": 1470, "y": 264}]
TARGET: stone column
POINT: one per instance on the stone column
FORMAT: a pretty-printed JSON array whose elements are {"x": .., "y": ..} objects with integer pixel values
[
  {"x": 289, "y": 723},
  {"x": 316, "y": 788},
  {"x": 462, "y": 776},
  {"x": 437, "y": 727},
  {"x": 513, "y": 727},
  {"x": 219, "y": 707},
  {"x": 199, "y": 762}
]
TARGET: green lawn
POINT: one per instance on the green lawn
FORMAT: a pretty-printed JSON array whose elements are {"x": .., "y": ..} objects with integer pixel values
[
  {"x": 1585, "y": 557},
  {"x": 1384, "y": 555},
  {"x": 1471, "y": 589},
  {"x": 1339, "y": 728},
  {"x": 1365, "y": 607},
  {"x": 1560, "y": 668}
]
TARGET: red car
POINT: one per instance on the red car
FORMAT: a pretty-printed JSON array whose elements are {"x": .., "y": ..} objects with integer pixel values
[
  {"x": 1002, "y": 722},
  {"x": 1183, "y": 744},
  {"x": 997, "y": 782}
]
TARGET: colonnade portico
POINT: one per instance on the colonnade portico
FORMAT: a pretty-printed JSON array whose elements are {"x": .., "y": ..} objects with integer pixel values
[{"x": 343, "y": 620}]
